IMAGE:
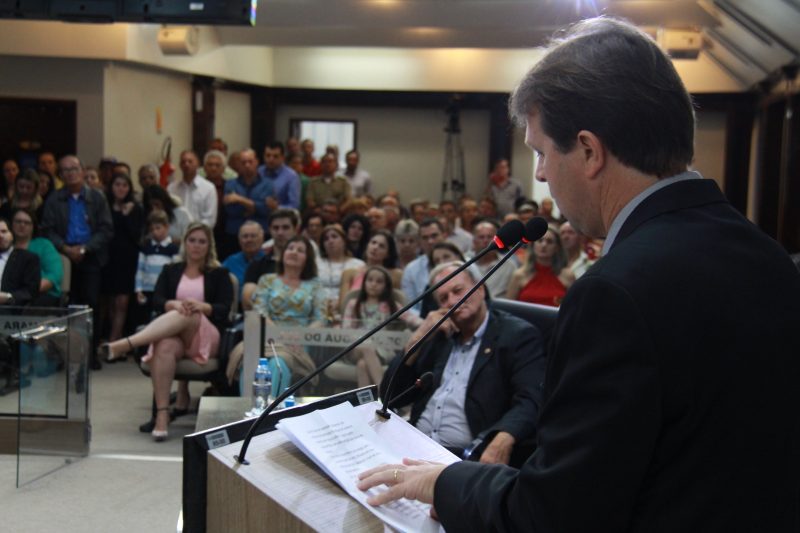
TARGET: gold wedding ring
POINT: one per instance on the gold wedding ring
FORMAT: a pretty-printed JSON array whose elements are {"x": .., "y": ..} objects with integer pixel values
[{"x": 395, "y": 475}]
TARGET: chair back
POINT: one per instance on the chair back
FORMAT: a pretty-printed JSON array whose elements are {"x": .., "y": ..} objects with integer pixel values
[{"x": 541, "y": 316}]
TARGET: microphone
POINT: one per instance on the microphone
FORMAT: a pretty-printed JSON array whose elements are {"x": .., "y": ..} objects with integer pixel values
[
  {"x": 533, "y": 230},
  {"x": 510, "y": 235},
  {"x": 422, "y": 384}
]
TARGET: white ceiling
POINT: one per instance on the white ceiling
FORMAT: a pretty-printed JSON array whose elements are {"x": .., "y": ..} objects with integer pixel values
[{"x": 751, "y": 39}]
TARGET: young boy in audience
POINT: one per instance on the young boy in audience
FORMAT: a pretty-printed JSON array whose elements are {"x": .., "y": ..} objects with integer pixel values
[{"x": 157, "y": 251}]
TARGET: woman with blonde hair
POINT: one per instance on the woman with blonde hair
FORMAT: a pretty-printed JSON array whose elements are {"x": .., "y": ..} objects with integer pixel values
[
  {"x": 194, "y": 296},
  {"x": 545, "y": 277}
]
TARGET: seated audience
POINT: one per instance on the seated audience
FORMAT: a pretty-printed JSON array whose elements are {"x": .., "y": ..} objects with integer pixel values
[
  {"x": 19, "y": 270},
  {"x": 10, "y": 173},
  {"x": 313, "y": 223},
  {"x": 544, "y": 278},
  {"x": 330, "y": 211},
  {"x": 487, "y": 208},
  {"x": 292, "y": 296},
  {"x": 283, "y": 225},
  {"x": 377, "y": 218},
  {"x": 251, "y": 237},
  {"x": 25, "y": 195},
  {"x": 488, "y": 372},
  {"x": 194, "y": 298},
  {"x": 467, "y": 214},
  {"x": 574, "y": 243},
  {"x": 26, "y": 237},
  {"x": 454, "y": 233},
  {"x": 381, "y": 251},
  {"x": 418, "y": 208},
  {"x": 497, "y": 283},
  {"x": 406, "y": 237},
  {"x": 334, "y": 259},
  {"x": 441, "y": 253},
  {"x": 415, "y": 275},
  {"x": 357, "y": 230},
  {"x": 373, "y": 304}
]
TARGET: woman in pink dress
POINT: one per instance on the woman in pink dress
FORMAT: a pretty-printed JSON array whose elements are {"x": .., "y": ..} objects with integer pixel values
[{"x": 194, "y": 297}]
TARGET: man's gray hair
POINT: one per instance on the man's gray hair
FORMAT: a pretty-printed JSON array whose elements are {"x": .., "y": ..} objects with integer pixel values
[{"x": 215, "y": 153}]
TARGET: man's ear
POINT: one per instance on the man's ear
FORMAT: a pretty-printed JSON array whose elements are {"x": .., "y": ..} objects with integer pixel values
[{"x": 593, "y": 152}]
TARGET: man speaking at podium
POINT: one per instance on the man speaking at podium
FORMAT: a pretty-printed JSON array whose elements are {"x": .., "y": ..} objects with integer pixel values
[{"x": 673, "y": 379}]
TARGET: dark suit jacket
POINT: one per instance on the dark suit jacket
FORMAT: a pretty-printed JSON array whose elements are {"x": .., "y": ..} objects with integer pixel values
[
  {"x": 672, "y": 388},
  {"x": 21, "y": 276},
  {"x": 55, "y": 220},
  {"x": 504, "y": 391},
  {"x": 217, "y": 288}
]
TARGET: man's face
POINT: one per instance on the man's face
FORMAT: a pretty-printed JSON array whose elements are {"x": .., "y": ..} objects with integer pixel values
[
  {"x": 72, "y": 172},
  {"x": 10, "y": 170},
  {"x": 418, "y": 213},
  {"x": 251, "y": 237},
  {"x": 189, "y": 165},
  {"x": 451, "y": 292},
  {"x": 273, "y": 158},
  {"x": 218, "y": 144},
  {"x": 501, "y": 168},
  {"x": 352, "y": 161},
  {"x": 292, "y": 146},
  {"x": 482, "y": 236},
  {"x": 328, "y": 165},
  {"x": 6, "y": 238},
  {"x": 314, "y": 228},
  {"x": 561, "y": 171},
  {"x": 281, "y": 230},
  {"x": 296, "y": 164},
  {"x": 449, "y": 212},
  {"x": 147, "y": 178},
  {"x": 215, "y": 168},
  {"x": 308, "y": 148},
  {"x": 248, "y": 164},
  {"x": 570, "y": 239},
  {"x": 330, "y": 213},
  {"x": 469, "y": 210},
  {"x": 47, "y": 163},
  {"x": 430, "y": 235},
  {"x": 376, "y": 217}
]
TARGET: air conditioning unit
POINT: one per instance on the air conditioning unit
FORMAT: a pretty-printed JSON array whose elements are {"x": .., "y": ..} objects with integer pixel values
[
  {"x": 178, "y": 40},
  {"x": 680, "y": 44}
]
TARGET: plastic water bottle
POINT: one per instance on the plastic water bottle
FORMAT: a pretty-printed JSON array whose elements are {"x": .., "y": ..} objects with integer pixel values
[{"x": 262, "y": 386}]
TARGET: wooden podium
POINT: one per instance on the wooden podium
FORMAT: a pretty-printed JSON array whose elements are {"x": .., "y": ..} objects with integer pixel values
[{"x": 280, "y": 490}]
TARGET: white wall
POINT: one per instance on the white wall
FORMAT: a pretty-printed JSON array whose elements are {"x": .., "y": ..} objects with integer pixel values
[
  {"x": 405, "y": 148},
  {"x": 232, "y": 119},
  {"x": 62, "y": 79},
  {"x": 132, "y": 98},
  {"x": 709, "y": 146}
]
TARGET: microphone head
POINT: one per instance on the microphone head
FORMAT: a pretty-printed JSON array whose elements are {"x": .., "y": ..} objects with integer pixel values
[
  {"x": 534, "y": 229},
  {"x": 425, "y": 381},
  {"x": 510, "y": 234}
]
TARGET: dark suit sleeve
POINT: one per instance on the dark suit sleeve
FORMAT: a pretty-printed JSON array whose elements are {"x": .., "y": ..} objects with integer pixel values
[
  {"x": 50, "y": 224},
  {"x": 222, "y": 298},
  {"x": 104, "y": 227},
  {"x": 525, "y": 369},
  {"x": 27, "y": 277},
  {"x": 596, "y": 433},
  {"x": 163, "y": 291}
]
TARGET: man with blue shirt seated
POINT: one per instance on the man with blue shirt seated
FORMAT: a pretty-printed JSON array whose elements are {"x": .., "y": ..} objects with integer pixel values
[
  {"x": 285, "y": 181},
  {"x": 77, "y": 221},
  {"x": 246, "y": 196},
  {"x": 251, "y": 237}
]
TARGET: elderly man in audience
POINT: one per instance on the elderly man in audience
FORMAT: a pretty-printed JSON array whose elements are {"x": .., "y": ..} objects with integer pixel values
[
  {"x": 251, "y": 237},
  {"x": 285, "y": 181},
  {"x": 197, "y": 194},
  {"x": 328, "y": 184},
  {"x": 376, "y": 217},
  {"x": 393, "y": 216},
  {"x": 483, "y": 233},
  {"x": 406, "y": 236},
  {"x": 360, "y": 180},
  {"x": 283, "y": 225},
  {"x": 415, "y": 275},
  {"x": 221, "y": 146},
  {"x": 246, "y": 196},
  {"x": 488, "y": 370},
  {"x": 574, "y": 244},
  {"x": 77, "y": 220}
]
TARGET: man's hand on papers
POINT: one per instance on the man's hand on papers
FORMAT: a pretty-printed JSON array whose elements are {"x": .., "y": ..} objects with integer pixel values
[{"x": 413, "y": 480}]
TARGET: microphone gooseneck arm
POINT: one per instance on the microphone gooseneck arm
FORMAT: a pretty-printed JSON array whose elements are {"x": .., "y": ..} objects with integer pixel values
[
  {"x": 240, "y": 458},
  {"x": 383, "y": 412}
]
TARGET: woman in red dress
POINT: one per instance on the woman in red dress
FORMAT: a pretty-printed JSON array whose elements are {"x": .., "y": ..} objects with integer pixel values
[{"x": 544, "y": 278}]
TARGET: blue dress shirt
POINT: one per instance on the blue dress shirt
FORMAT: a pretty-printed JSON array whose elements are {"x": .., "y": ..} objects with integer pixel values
[{"x": 285, "y": 185}]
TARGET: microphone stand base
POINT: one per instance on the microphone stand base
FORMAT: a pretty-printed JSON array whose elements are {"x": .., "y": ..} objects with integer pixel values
[{"x": 383, "y": 413}]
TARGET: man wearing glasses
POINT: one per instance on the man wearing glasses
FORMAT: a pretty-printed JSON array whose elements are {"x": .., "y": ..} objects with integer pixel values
[{"x": 78, "y": 222}]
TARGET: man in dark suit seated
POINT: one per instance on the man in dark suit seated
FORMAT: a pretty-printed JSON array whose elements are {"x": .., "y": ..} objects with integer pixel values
[
  {"x": 671, "y": 396},
  {"x": 488, "y": 369}
]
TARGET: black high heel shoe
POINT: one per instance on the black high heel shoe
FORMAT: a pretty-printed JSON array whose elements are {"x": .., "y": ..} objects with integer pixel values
[{"x": 104, "y": 351}]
